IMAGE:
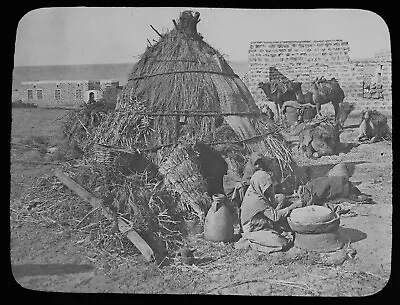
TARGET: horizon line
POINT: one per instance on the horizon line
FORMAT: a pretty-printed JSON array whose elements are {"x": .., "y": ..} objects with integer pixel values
[{"x": 128, "y": 63}]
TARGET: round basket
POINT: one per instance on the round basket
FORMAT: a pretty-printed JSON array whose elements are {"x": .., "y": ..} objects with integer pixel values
[
  {"x": 315, "y": 228},
  {"x": 313, "y": 219}
]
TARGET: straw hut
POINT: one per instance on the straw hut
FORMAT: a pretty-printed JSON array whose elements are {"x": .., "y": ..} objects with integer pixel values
[{"x": 183, "y": 90}]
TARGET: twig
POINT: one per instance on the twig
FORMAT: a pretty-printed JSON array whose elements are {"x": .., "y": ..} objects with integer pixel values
[
  {"x": 36, "y": 162},
  {"x": 212, "y": 261},
  {"x": 92, "y": 211},
  {"x": 175, "y": 24},
  {"x": 292, "y": 284},
  {"x": 377, "y": 276},
  {"x": 235, "y": 284},
  {"x": 82, "y": 124},
  {"x": 155, "y": 30}
]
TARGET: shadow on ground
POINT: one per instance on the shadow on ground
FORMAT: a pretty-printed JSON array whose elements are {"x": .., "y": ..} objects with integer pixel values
[
  {"x": 48, "y": 269},
  {"x": 350, "y": 234}
]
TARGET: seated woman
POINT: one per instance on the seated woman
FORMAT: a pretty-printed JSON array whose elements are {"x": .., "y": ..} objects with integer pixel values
[
  {"x": 263, "y": 218},
  {"x": 235, "y": 187}
]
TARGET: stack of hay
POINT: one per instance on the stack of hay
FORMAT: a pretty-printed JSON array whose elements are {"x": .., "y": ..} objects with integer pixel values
[
  {"x": 79, "y": 125},
  {"x": 184, "y": 90},
  {"x": 316, "y": 228}
]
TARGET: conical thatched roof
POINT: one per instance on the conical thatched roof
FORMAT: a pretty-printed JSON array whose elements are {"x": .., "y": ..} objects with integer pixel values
[{"x": 182, "y": 79}]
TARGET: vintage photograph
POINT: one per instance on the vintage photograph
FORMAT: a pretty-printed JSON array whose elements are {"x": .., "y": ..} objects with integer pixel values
[{"x": 201, "y": 151}]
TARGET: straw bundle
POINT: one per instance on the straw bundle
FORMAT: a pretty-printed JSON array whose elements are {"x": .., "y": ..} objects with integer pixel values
[
  {"x": 182, "y": 173},
  {"x": 126, "y": 127},
  {"x": 153, "y": 210}
]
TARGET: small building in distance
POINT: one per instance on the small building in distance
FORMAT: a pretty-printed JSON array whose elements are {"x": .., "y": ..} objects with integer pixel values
[{"x": 67, "y": 92}]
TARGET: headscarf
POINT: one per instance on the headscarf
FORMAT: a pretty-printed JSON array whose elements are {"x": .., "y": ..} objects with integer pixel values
[{"x": 250, "y": 167}]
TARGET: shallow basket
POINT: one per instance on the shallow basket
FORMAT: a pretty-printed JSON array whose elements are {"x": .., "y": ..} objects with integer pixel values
[{"x": 315, "y": 228}]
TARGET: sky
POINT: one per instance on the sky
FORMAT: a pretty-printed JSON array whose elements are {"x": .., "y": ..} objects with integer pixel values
[{"x": 80, "y": 35}]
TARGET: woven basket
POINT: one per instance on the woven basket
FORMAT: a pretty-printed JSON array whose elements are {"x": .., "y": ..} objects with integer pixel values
[
  {"x": 103, "y": 155},
  {"x": 182, "y": 174}
]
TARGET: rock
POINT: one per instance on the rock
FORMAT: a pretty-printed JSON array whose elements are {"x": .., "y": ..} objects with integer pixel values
[
  {"x": 334, "y": 258},
  {"x": 185, "y": 255}
]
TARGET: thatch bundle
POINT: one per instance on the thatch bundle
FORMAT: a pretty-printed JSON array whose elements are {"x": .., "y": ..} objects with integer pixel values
[
  {"x": 186, "y": 90},
  {"x": 183, "y": 173}
]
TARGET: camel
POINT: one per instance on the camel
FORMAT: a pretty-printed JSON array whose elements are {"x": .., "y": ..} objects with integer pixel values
[
  {"x": 325, "y": 91},
  {"x": 279, "y": 92}
]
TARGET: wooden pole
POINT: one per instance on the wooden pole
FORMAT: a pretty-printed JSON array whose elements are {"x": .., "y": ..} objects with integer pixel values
[{"x": 123, "y": 227}]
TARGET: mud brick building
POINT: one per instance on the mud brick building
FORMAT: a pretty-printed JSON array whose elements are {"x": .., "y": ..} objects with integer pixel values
[
  {"x": 66, "y": 92},
  {"x": 304, "y": 60}
]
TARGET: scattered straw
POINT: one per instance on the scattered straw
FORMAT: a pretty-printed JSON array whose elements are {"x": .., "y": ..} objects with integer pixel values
[{"x": 269, "y": 281}]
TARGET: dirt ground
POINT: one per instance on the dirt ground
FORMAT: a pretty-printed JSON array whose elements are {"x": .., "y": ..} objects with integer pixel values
[{"x": 47, "y": 260}]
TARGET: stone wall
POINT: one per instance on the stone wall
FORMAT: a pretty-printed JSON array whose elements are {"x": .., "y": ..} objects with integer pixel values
[{"x": 304, "y": 60}]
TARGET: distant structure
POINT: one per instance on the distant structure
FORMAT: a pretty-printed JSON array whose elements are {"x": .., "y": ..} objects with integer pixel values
[
  {"x": 66, "y": 92},
  {"x": 305, "y": 60}
]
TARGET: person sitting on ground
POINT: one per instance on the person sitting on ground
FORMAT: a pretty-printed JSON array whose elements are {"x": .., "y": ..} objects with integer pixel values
[{"x": 263, "y": 217}]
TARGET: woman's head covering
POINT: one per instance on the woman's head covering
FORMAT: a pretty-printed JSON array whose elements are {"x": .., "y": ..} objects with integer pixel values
[
  {"x": 254, "y": 157},
  {"x": 260, "y": 182}
]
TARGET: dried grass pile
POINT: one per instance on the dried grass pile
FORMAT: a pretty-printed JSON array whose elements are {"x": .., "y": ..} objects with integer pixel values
[
  {"x": 79, "y": 125},
  {"x": 154, "y": 211}
]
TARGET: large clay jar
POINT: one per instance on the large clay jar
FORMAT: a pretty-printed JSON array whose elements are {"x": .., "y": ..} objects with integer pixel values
[{"x": 218, "y": 225}]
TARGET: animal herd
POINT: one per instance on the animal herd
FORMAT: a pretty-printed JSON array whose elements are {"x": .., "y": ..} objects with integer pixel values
[{"x": 318, "y": 135}]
